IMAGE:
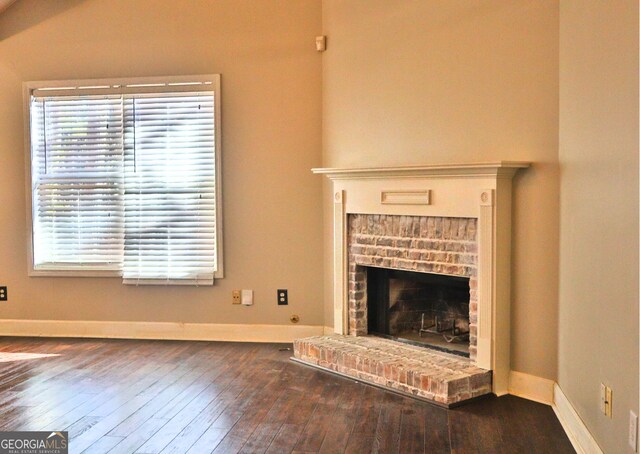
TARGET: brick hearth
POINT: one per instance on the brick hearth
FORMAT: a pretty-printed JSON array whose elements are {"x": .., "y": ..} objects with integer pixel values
[{"x": 440, "y": 377}]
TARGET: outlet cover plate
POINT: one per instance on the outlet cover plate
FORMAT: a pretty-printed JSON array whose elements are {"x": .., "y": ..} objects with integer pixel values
[
  {"x": 235, "y": 296},
  {"x": 283, "y": 297},
  {"x": 3, "y": 293},
  {"x": 608, "y": 406}
]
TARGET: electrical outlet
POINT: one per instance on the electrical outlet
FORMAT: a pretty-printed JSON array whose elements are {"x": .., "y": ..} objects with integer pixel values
[
  {"x": 603, "y": 398},
  {"x": 606, "y": 400},
  {"x": 283, "y": 297},
  {"x": 3, "y": 294},
  {"x": 608, "y": 409},
  {"x": 633, "y": 431},
  {"x": 235, "y": 295}
]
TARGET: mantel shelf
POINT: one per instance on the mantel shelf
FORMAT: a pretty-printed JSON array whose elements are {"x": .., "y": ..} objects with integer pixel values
[{"x": 499, "y": 169}]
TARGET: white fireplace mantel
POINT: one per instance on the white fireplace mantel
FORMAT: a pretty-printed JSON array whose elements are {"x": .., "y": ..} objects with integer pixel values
[{"x": 478, "y": 190}]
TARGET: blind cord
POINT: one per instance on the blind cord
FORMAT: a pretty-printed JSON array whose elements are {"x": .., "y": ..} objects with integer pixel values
[{"x": 44, "y": 132}]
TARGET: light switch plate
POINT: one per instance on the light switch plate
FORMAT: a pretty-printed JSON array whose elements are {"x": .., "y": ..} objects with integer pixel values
[
  {"x": 321, "y": 43},
  {"x": 247, "y": 297}
]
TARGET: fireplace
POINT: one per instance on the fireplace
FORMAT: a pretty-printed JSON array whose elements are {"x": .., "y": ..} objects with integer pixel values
[
  {"x": 423, "y": 309},
  {"x": 451, "y": 220}
]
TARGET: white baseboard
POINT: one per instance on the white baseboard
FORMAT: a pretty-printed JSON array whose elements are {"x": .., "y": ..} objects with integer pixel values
[
  {"x": 548, "y": 392},
  {"x": 158, "y": 330},
  {"x": 531, "y": 387},
  {"x": 580, "y": 437}
]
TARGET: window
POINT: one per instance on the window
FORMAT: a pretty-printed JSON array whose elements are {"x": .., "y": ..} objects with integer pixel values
[{"x": 125, "y": 179}]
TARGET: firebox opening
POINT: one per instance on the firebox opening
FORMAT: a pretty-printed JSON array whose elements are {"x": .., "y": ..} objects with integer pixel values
[{"x": 420, "y": 308}]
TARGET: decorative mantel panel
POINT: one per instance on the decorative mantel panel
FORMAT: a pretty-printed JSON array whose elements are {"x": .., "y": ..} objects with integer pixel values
[{"x": 480, "y": 191}]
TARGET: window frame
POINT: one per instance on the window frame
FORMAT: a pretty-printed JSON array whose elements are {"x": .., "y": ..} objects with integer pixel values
[{"x": 144, "y": 85}]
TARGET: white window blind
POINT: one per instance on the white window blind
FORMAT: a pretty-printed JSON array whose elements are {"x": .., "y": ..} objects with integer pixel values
[
  {"x": 170, "y": 187},
  {"x": 125, "y": 181},
  {"x": 77, "y": 155}
]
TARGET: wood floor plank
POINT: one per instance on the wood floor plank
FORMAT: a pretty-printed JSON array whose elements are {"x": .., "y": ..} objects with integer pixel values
[
  {"x": 368, "y": 412},
  {"x": 125, "y": 396},
  {"x": 82, "y": 425},
  {"x": 190, "y": 434},
  {"x": 412, "y": 429},
  {"x": 316, "y": 428},
  {"x": 176, "y": 424},
  {"x": 359, "y": 443},
  {"x": 103, "y": 445},
  {"x": 208, "y": 441},
  {"x": 286, "y": 439},
  {"x": 436, "y": 430},
  {"x": 261, "y": 438},
  {"x": 110, "y": 394},
  {"x": 254, "y": 413},
  {"x": 343, "y": 419},
  {"x": 387, "y": 436},
  {"x": 121, "y": 413},
  {"x": 157, "y": 406},
  {"x": 139, "y": 436}
]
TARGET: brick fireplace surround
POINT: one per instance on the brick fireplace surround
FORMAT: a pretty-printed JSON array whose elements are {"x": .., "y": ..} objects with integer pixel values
[
  {"x": 445, "y": 219},
  {"x": 422, "y": 244}
]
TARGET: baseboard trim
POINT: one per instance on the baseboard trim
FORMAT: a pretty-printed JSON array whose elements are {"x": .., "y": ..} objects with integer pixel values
[
  {"x": 580, "y": 437},
  {"x": 531, "y": 387},
  {"x": 158, "y": 330},
  {"x": 328, "y": 330}
]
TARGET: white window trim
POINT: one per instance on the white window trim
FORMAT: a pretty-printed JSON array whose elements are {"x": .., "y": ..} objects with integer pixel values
[{"x": 94, "y": 86}]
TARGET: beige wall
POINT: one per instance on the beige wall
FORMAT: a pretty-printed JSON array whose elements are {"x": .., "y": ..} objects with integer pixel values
[
  {"x": 599, "y": 212},
  {"x": 415, "y": 82},
  {"x": 271, "y": 95}
]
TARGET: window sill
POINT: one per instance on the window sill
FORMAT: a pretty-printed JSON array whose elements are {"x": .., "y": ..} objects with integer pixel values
[
  {"x": 117, "y": 273},
  {"x": 74, "y": 273}
]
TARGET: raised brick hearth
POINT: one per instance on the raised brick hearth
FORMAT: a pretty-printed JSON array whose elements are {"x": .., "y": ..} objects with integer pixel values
[{"x": 442, "y": 378}]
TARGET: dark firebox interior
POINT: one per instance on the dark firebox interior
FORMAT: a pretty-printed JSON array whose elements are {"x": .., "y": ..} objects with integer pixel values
[{"x": 421, "y": 308}]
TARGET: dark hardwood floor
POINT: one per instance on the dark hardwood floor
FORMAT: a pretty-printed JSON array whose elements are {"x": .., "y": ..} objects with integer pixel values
[{"x": 125, "y": 396}]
